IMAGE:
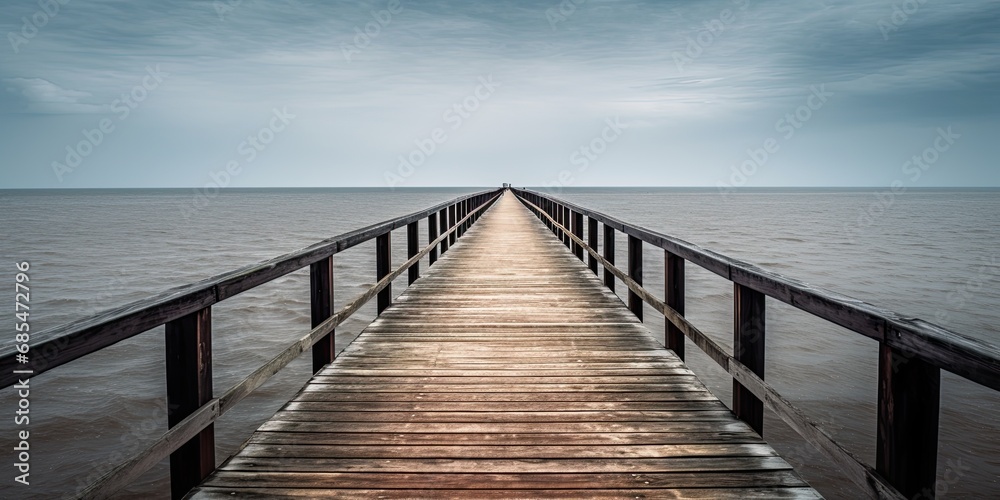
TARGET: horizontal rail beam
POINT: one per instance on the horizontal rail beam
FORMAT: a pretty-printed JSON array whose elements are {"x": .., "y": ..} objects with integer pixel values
[
  {"x": 965, "y": 356},
  {"x": 65, "y": 343}
]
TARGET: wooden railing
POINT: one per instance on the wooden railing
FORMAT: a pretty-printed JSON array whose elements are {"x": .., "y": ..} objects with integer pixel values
[
  {"x": 187, "y": 313},
  {"x": 912, "y": 352}
]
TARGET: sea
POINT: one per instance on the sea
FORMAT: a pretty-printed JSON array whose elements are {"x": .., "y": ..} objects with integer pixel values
[{"x": 927, "y": 253}]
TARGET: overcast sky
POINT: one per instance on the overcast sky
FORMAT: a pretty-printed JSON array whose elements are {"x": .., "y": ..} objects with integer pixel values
[{"x": 670, "y": 93}]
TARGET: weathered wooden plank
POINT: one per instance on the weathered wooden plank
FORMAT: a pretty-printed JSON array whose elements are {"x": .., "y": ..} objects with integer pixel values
[
  {"x": 687, "y": 426},
  {"x": 497, "y": 439},
  {"x": 568, "y": 465},
  {"x": 209, "y": 493},
  {"x": 525, "y": 452},
  {"x": 315, "y": 413},
  {"x": 474, "y": 481}
]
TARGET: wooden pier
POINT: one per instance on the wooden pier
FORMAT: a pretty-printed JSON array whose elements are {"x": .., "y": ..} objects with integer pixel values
[{"x": 508, "y": 371}]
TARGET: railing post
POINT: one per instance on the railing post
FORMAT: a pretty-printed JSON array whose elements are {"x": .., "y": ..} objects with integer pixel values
[
  {"x": 592, "y": 242},
  {"x": 451, "y": 223},
  {"x": 578, "y": 232},
  {"x": 465, "y": 211},
  {"x": 383, "y": 265},
  {"x": 413, "y": 248},
  {"x": 459, "y": 214},
  {"x": 189, "y": 386},
  {"x": 568, "y": 224},
  {"x": 321, "y": 300},
  {"x": 673, "y": 286},
  {"x": 748, "y": 349},
  {"x": 635, "y": 272},
  {"x": 909, "y": 398},
  {"x": 609, "y": 255},
  {"x": 443, "y": 216},
  {"x": 432, "y": 234},
  {"x": 556, "y": 214}
]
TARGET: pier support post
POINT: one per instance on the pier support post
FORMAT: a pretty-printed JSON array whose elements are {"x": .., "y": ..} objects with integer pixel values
[
  {"x": 443, "y": 216},
  {"x": 189, "y": 386},
  {"x": 635, "y": 272},
  {"x": 451, "y": 223},
  {"x": 557, "y": 216},
  {"x": 383, "y": 264},
  {"x": 413, "y": 248},
  {"x": 673, "y": 286},
  {"x": 909, "y": 398},
  {"x": 567, "y": 222},
  {"x": 592, "y": 243},
  {"x": 321, "y": 300},
  {"x": 748, "y": 349},
  {"x": 578, "y": 232},
  {"x": 609, "y": 255},
  {"x": 432, "y": 234}
]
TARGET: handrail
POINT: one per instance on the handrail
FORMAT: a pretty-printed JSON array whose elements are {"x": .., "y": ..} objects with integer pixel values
[
  {"x": 62, "y": 344},
  {"x": 185, "y": 310},
  {"x": 962, "y": 355},
  {"x": 125, "y": 473},
  {"x": 909, "y": 377}
]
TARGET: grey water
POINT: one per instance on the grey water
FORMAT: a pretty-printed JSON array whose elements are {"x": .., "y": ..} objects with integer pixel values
[{"x": 932, "y": 254}]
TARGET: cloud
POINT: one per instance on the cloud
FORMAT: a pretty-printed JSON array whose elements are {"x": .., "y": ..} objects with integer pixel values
[{"x": 37, "y": 95}]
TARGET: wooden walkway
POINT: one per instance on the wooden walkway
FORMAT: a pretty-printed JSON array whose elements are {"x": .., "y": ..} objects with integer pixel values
[{"x": 507, "y": 371}]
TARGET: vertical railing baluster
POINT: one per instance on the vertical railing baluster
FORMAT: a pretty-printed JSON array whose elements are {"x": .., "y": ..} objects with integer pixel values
[
  {"x": 568, "y": 224},
  {"x": 748, "y": 349},
  {"x": 673, "y": 286},
  {"x": 909, "y": 398},
  {"x": 451, "y": 224},
  {"x": 592, "y": 242},
  {"x": 432, "y": 234},
  {"x": 609, "y": 255},
  {"x": 443, "y": 216},
  {"x": 635, "y": 272},
  {"x": 189, "y": 386},
  {"x": 578, "y": 232},
  {"x": 321, "y": 308},
  {"x": 413, "y": 248},
  {"x": 383, "y": 266}
]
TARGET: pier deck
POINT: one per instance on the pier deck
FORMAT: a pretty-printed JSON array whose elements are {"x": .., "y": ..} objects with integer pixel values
[{"x": 507, "y": 371}]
